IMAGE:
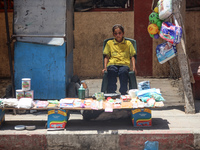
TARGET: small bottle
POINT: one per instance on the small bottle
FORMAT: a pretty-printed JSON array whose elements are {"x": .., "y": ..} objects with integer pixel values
[
  {"x": 87, "y": 93},
  {"x": 81, "y": 92},
  {"x": 86, "y": 89}
]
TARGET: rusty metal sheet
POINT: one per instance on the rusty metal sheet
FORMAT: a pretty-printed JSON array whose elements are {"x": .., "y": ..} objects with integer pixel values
[
  {"x": 40, "y": 17},
  {"x": 42, "y": 40}
]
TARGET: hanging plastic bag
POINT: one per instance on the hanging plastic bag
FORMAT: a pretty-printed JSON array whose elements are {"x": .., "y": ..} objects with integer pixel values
[
  {"x": 170, "y": 32},
  {"x": 165, "y": 9},
  {"x": 151, "y": 145},
  {"x": 165, "y": 52}
]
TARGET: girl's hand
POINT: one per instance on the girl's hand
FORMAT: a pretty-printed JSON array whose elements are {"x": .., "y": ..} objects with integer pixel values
[
  {"x": 134, "y": 69},
  {"x": 104, "y": 70}
]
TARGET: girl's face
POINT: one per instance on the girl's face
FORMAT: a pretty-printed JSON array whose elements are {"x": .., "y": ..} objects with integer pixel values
[{"x": 118, "y": 34}]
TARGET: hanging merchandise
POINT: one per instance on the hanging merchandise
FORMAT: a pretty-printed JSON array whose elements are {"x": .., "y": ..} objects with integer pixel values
[
  {"x": 155, "y": 24},
  {"x": 153, "y": 29},
  {"x": 165, "y": 52},
  {"x": 154, "y": 18},
  {"x": 165, "y": 9},
  {"x": 170, "y": 32}
]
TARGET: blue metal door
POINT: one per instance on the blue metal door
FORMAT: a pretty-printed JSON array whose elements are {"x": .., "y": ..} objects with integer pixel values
[{"x": 45, "y": 65}]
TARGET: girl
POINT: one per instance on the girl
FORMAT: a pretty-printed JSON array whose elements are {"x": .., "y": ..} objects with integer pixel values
[{"x": 117, "y": 55}]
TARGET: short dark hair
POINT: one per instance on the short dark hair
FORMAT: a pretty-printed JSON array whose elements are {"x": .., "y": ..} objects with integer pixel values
[{"x": 118, "y": 26}]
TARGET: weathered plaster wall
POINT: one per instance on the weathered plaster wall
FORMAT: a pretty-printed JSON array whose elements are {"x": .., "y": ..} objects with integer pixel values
[
  {"x": 4, "y": 59},
  {"x": 193, "y": 34},
  {"x": 91, "y": 28}
]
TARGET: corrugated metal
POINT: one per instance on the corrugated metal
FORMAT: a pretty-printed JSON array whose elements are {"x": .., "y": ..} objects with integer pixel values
[
  {"x": 39, "y": 17},
  {"x": 45, "y": 65},
  {"x": 39, "y": 25},
  {"x": 42, "y": 40}
]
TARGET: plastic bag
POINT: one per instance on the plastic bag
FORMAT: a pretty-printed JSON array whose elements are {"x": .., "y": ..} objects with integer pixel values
[
  {"x": 148, "y": 92},
  {"x": 165, "y": 52},
  {"x": 170, "y": 32},
  {"x": 144, "y": 85},
  {"x": 165, "y": 9},
  {"x": 151, "y": 145},
  {"x": 157, "y": 97},
  {"x": 25, "y": 103},
  {"x": 11, "y": 102}
]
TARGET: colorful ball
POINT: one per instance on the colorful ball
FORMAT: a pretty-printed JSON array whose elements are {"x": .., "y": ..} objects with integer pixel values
[
  {"x": 156, "y": 36},
  {"x": 156, "y": 9},
  {"x": 159, "y": 24},
  {"x": 154, "y": 17},
  {"x": 153, "y": 29},
  {"x": 151, "y": 35}
]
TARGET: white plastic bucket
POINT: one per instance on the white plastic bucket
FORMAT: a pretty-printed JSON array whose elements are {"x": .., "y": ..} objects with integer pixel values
[
  {"x": 132, "y": 93},
  {"x": 29, "y": 94},
  {"x": 26, "y": 84},
  {"x": 19, "y": 94}
]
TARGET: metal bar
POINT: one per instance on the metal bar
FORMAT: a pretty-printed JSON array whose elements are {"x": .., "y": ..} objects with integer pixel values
[
  {"x": 9, "y": 48},
  {"x": 47, "y": 36}
]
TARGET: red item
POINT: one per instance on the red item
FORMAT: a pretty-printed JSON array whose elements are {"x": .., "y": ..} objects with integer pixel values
[{"x": 109, "y": 98}]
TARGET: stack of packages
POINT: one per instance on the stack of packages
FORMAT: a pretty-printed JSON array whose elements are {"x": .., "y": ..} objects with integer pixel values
[
  {"x": 26, "y": 91},
  {"x": 149, "y": 97},
  {"x": 24, "y": 97},
  {"x": 65, "y": 103},
  {"x": 41, "y": 104}
]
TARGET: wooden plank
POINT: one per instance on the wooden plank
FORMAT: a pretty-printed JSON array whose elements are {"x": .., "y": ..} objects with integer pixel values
[
  {"x": 124, "y": 105},
  {"x": 179, "y": 8}
]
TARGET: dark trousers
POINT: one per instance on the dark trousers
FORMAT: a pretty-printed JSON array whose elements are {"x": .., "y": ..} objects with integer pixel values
[{"x": 115, "y": 71}]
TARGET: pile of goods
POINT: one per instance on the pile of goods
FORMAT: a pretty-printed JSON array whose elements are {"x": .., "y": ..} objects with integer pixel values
[
  {"x": 161, "y": 25},
  {"x": 142, "y": 97}
]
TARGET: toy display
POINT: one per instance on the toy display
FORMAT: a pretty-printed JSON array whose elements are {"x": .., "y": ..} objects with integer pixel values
[
  {"x": 154, "y": 18},
  {"x": 155, "y": 24},
  {"x": 153, "y": 29},
  {"x": 166, "y": 30}
]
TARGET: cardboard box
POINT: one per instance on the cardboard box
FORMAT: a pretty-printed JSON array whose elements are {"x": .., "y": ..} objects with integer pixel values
[
  {"x": 2, "y": 116},
  {"x": 141, "y": 117},
  {"x": 57, "y": 119}
]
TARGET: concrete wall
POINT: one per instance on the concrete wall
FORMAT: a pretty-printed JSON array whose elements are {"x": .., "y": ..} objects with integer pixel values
[
  {"x": 193, "y": 34},
  {"x": 91, "y": 28},
  {"x": 84, "y": 141}
]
